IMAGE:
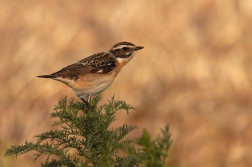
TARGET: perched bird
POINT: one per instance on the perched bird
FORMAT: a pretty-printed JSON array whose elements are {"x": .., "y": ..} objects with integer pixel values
[{"x": 94, "y": 74}]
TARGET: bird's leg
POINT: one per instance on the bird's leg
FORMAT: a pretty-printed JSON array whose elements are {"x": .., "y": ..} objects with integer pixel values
[
  {"x": 87, "y": 104},
  {"x": 89, "y": 107},
  {"x": 89, "y": 98}
]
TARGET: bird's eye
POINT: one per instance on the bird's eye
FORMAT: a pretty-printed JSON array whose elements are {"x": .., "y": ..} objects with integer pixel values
[{"x": 125, "y": 49}]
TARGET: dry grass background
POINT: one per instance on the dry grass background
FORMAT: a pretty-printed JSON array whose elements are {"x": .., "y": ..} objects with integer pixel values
[{"x": 194, "y": 73}]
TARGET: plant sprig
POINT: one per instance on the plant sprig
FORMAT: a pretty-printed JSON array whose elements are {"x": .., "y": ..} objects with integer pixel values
[{"x": 85, "y": 139}]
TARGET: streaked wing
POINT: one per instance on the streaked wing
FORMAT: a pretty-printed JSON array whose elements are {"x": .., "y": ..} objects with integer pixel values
[{"x": 98, "y": 63}]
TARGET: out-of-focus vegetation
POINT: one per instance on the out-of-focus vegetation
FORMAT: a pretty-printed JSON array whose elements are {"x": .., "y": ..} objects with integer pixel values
[{"x": 194, "y": 73}]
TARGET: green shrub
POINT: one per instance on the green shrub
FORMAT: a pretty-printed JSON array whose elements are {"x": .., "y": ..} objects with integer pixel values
[{"x": 85, "y": 139}]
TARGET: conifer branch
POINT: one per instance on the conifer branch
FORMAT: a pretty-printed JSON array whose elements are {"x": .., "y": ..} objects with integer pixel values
[{"x": 85, "y": 139}]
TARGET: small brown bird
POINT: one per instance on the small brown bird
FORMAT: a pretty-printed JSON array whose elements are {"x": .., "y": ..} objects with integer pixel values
[{"x": 94, "y": 74}]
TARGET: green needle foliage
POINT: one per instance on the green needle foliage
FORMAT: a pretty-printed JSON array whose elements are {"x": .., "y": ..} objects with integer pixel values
[{"x": 85, "y": 139}]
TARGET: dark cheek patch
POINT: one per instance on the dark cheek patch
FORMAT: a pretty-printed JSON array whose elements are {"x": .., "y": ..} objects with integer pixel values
[
  {"x": 126, "y": 54},
  {"x": 117, "y": 54}
]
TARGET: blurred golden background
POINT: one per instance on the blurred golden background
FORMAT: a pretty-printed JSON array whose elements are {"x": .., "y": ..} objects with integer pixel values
[{"x": 194, "y": 73}]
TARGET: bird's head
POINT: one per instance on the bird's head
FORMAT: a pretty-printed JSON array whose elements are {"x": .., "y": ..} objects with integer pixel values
[{"x": 124, "y": 50}]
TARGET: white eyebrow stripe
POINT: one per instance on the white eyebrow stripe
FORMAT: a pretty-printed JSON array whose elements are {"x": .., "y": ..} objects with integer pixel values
[{"x": 122, "y": 46}]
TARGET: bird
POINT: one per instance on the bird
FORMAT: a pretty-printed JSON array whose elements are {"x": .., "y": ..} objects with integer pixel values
[{"x": 94, "y": 74}]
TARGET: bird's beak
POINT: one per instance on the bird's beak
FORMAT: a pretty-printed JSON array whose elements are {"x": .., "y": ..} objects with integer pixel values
[{"x": 139, "y": 47}]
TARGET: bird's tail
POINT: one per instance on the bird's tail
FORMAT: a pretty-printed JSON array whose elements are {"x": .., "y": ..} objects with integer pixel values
[{"x": 45, "y": 76}]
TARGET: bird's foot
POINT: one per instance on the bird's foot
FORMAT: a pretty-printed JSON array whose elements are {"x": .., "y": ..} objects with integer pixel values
[{"x": 89, "y": 107}]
